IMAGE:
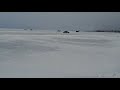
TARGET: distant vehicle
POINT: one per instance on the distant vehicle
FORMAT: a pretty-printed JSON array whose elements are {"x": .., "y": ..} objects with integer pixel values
[
  {"x": 66, "y": 32},
  {"x": 31, "y": 29},
  {"x": 77, "y": 31}
]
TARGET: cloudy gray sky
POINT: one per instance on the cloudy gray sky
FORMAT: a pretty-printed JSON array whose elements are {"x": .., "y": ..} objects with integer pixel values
[{"x": 55, "y": 20}]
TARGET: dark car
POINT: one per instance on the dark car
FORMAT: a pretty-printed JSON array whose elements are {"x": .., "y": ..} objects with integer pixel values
[
  {"x": 66, "y": 32},
  {"x": 77, "y": 31}
]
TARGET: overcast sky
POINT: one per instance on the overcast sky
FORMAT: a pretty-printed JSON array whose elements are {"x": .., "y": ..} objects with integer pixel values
[{"x": 55, "y": 20}]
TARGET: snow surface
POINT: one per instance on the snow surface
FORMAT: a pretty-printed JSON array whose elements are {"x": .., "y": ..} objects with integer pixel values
[{"x": 51, "y": 54}]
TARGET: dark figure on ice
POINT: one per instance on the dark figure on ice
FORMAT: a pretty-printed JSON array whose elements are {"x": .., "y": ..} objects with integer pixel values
[{"x": 59, "y": 31}]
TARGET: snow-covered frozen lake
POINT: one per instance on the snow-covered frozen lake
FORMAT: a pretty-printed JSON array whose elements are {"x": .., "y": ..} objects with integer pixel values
[{"x": 51, "y": 54}]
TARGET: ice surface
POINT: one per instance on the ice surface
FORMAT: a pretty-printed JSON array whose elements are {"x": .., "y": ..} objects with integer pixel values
[{"x": 52, "y": 54}]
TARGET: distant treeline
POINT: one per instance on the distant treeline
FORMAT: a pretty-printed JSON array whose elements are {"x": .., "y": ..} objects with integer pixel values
[{"x": 107, "y": 31}]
